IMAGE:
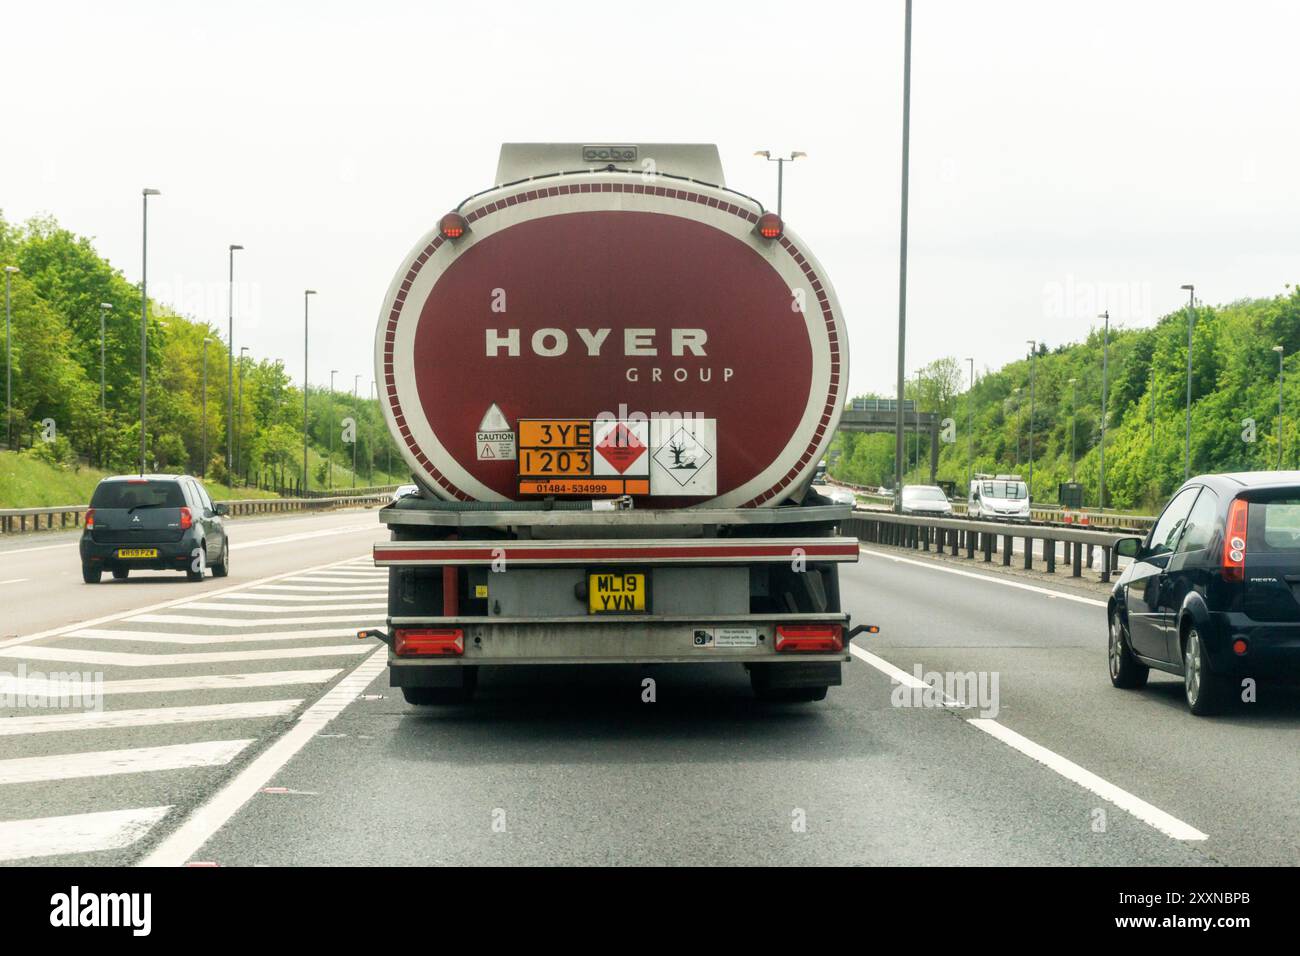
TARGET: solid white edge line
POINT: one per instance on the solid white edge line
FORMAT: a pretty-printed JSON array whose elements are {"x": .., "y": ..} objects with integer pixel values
[
  {"x": 1020, "y": 585},
  {"x": 1151, "y": 815},
  {"x": 180, "y": 846}
]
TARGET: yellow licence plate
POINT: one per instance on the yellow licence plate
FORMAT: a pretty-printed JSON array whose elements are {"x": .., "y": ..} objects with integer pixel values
[
  {"x": 615, "y": 593},
  {"x": 137, "y": 552}
]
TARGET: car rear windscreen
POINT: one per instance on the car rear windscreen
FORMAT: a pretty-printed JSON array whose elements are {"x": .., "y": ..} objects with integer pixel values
[
  {"x": 137, "y": 494},
  {"x": 1277, "y": 522}
]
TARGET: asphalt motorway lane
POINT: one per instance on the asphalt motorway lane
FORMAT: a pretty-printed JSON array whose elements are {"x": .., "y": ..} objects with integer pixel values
[{"x": 248, "y": 729}]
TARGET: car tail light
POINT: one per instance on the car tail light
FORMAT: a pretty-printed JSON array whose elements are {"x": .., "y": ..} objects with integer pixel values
[
  {"x": 1240, "y": 647},
  {"x": 809, "y": 637},
  {"x": 90, "y": 519},
  {"x": 187, "y": 519},
  {"x": 429, "y": 642},
  {"x": 453, "y": 225},
  {"x": 770, "y": 226},
  {"x": 1234, "y": 541}
]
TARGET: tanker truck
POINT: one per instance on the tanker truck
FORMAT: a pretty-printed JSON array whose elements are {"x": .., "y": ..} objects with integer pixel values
[{"x": 612, "y": 378}]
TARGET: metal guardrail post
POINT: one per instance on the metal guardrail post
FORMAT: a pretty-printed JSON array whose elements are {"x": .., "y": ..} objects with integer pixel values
[
  {"x": 1049, "y": 555},
  {"x": 1029, "y": 553},
  {"x": 1006, "y": 550}
]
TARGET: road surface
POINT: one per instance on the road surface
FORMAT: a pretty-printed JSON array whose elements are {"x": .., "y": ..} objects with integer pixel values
[{"x": 253, "y": 728}]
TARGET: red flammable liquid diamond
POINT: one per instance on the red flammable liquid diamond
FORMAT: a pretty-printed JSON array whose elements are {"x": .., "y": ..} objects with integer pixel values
[{"x": 621, "y": 448}]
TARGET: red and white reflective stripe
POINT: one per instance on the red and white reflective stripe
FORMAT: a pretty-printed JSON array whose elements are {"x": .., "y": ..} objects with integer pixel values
[{"x": 704, "y": 551}]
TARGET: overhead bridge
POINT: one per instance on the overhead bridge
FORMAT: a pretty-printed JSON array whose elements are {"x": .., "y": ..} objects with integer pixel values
[{"x": 881, "y": 415}]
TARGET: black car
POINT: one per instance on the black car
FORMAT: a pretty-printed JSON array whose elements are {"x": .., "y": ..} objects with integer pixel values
[
  {"x": 1213, "y": 592},
  {"x": 158, "y": 522}
]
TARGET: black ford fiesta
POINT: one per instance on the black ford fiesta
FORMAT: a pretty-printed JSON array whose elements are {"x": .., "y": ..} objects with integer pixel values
[
  {"x": 157, "y": 522},
  {"x": 1213, "y": 591}
]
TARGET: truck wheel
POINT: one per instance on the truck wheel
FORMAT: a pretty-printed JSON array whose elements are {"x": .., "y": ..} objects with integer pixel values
[{"x": 91, "y": 575}]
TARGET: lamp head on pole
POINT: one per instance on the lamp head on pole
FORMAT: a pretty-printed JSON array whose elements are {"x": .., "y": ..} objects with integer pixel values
[
  {"x": 1277, "y": 349},
  {"x": 10, "y": 270},
  {"x": 235, "y": 247},
  {"x": 106, "y": 306},
  {"x": 150, "y": 192}
]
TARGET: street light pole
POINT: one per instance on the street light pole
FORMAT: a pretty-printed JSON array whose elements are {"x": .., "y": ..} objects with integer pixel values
[
  {"x": 1019, "y": 425},
  {"x": 1033, "y": 356},
  {"x": 1105, "y": 388},
  {"x": 330, "y": 485},
  {"x": 902, "y": 258},
  {"x": 1278, "y": 349},
  {"x": 203, "y": 462},
  {"x": 9, "y": 362},
  {"x": 1187, "y": 440},
  {"x": 970, "y": 426},
  {"x": 239, "y": 425},
  {"x": 356, "y": 412},
  {"x": 1074, "y": 417},
  {"x": 305, "y": 301},
  {"x": 144, "y": 316},
  {"x": 104, "y": 309},
  {"x": 230, "y": 367}
]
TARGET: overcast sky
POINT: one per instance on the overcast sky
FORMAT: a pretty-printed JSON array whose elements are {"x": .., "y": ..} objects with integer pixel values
[{"x": 1065, "y": 157}]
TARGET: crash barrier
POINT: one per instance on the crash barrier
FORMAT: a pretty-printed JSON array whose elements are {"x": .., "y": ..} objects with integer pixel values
[
  {"x": 1074, "y": 517},
  {"x": 20, "y": 520},
  {"x": 989, "y": 539}
]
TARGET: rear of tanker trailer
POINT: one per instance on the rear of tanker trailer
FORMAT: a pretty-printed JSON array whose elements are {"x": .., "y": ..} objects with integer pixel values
[{"x": 613, "y": 378}]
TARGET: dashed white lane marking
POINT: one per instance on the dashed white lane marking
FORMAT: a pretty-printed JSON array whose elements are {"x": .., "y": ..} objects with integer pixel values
[
  {"x": 168, "y": 637},
  {"x": 277, "y": 609},
  {"x": 123, "y": 659},
  {"x": 13, "y": 581},
  {"x": 46, "y": 688},
  {"x": 326, "y": 600},
  {"x": 145, "y": 717},
  {"x": 1151, "y": 815},
  {"x": 237, "y": 546},
  {"x": 77, "y": 833},
  {"x": 1019, "y": 585},
  {"x": 364, "y": 620},
  {"x": 102, "y": 763},
  {"x": 186, "y": 840}
]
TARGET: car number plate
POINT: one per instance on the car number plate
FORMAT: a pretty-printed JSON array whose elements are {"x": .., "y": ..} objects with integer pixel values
[
  {"x": 616, "y": 593},
  {"x": 137, "y": 552}
]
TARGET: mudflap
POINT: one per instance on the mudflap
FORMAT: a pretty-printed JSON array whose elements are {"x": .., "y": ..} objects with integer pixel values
[
  {"x": 795, "y": 674},
  {"x": 448, "y": 676}
]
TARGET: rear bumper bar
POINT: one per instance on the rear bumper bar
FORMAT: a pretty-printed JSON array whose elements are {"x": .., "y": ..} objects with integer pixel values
[{"x": 598, "y": 552}]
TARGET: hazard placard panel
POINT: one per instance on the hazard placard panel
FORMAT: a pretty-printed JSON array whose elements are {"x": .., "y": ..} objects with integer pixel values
[{"x": 614, "y": 457}]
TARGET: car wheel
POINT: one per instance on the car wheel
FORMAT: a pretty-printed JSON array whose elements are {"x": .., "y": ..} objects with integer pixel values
[
  {"x": 121, "y": 574},
  {"x": 193, "y": 575},
  {"x": 1125, "y": 669},
  {"x": 222, "y": 567},
  {"x": 91, "y": 575},
  {"x": 1206, "y": 692}
]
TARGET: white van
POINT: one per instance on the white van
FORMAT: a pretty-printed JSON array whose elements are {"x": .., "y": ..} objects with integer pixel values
[{"x": 998, "y": 498}]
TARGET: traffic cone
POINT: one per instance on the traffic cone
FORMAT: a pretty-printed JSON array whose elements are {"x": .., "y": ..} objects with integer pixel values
[
  {"x": 1083, "y": 519},
  {"x": 1069, "y": 518}
]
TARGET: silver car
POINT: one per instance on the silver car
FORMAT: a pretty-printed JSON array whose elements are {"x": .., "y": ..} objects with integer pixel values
[{"x": 925, "y": 500}]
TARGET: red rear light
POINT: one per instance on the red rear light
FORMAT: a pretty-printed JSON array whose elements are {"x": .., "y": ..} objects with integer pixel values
[
  {"x": 429, "y": 642},
  {"x": 1234, "y": 541},
  {"x": 770, "y": 226},
  {"x": 187, "y": 519},
  {"x": 453, "y": 225},
  {"x": 1240, "y": 647},
  {"x": 90, "y": 518},
  {"x": 809, "y": 637}
]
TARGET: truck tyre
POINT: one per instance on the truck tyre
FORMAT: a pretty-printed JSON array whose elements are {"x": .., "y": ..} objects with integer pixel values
[{"x": 91, "y": 575}]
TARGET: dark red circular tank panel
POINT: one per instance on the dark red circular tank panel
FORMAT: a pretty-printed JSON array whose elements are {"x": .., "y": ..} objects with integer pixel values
[{"x": 615, "y": 270}]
